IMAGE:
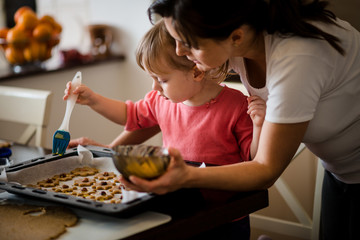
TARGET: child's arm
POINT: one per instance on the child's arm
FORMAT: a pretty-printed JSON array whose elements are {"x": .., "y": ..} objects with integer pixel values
[
  {"x": 135, "y": 137},
  {"x": 113, "y": 110},
  {"x": 257, "y": 111},
  {"x": 124, "y": 138}
]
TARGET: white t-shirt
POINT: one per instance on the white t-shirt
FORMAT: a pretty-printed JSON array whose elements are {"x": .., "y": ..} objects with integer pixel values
[
  {"x": 308, "y": 80},
  {"x": 238, "y": 65}
]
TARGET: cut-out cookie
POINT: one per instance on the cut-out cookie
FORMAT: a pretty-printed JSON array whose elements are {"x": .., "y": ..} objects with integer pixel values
[
  {"x": 82, "y": 182},
  {"x": 105, "y": 175},
  {"x": 103, "y": 185},
  {"x": 84, "y": 171},
  {"x": 50, "y": 182}
]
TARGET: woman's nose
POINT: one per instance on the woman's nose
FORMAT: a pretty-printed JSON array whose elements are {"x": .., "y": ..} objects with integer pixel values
[{"x": 181, "y": 50}]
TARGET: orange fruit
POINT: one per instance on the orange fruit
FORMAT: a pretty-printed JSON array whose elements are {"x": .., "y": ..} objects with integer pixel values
[
  {"x": 54, "y": 40},
  {"x": 47, "y": 19},
  {"x": 43, "y": 54},
  {"x": 57, "y": 27},
  {"x": 27, "y": 21},
  {"x": 51, "y": 20},
  {"x": 48, "y": 54},
  {"x": 3, "y": 32},
  {"x": 42, "y": 32},
  {"x": 17, "y": 38},
  {"x": 32, "y": 52},
  {"x": 36, "y": 51},
  {"x": 14, "y": 56},
  {"x": 20, "y": 11}
]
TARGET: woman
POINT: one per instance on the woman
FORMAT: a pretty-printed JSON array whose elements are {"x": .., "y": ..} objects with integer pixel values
[{"x": 307, "y": 63}]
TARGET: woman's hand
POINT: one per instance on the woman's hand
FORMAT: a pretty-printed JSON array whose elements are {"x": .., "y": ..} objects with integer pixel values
[
  {"x": 86, "y": 95},
  {"x": 173, "y": 179},
  {"x": 256, "y": 110},
  {"x": 84, "y": 141}
]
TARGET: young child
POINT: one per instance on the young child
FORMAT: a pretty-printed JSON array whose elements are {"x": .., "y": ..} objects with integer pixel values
[
  {"x": 214, "y": 124},
  {"x": 206, "y": 121}
]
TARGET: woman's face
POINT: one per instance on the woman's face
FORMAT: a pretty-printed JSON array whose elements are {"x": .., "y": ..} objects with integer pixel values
[{"x": 210, "y": 54}]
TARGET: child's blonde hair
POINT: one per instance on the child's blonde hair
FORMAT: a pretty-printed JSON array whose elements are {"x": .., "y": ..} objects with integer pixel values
[
  {"x": 158, "y": 44},
  {"x": 158, "y": 47}
]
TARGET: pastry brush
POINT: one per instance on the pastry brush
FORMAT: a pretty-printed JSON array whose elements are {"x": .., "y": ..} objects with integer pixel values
[{"x": 62, "y": 136}]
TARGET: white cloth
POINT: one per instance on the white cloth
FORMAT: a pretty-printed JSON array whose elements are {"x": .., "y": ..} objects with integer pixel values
[
  {"x": 308, "y": 80},
  {"x": 3, "y": 176}
]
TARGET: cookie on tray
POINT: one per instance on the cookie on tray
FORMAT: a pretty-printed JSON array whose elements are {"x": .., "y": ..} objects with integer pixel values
[
  {"x": 115, "y": 200},
  {"x": 116, "y": 179},
  {"x": 64, "y": 176},
  {"x": 64, "y": 188},
  {"x": 102, "y": 196},
  {"x": 83, "y": 192},
  {"x": 84, "y": 182},
  {"x": 50, "y": 182},
  {"x": 105, "y": 175},
  {"x": 116, "y": 189},
  {"x": 103, "y": 185},
  {"x": 84, "y": 171}
]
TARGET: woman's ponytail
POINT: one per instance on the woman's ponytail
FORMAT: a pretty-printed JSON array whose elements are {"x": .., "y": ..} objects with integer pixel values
[{"x": 292, "y": 17}]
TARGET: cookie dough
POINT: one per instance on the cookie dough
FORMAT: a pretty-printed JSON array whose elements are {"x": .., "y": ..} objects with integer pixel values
[{"x": 23, "y": 222}]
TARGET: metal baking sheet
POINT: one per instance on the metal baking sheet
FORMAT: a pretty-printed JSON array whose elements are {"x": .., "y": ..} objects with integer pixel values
[{"x": 44, "y": 167}]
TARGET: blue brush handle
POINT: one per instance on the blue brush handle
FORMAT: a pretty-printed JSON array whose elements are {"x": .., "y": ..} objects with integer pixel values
[{"x": 71, "y": 101}]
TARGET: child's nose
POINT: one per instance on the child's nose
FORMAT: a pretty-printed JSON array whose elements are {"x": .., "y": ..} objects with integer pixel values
[{"x": 156, "y": 86}]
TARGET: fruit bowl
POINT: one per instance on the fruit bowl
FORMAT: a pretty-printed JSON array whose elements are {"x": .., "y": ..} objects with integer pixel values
[
  {"x": 31, "y": 40},
  {"x": 33, "y": 52},
  {"x": 148, "y": 162}
]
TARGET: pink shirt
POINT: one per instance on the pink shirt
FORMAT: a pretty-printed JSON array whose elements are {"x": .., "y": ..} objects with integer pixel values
[{"x": 218, "y": 132}]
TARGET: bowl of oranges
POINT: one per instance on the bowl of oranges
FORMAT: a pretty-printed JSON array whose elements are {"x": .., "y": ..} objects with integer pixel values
[{"x": 31, "y": 40}]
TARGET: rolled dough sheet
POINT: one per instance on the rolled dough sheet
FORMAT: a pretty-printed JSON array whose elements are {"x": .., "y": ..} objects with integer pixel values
[{"x": 97, "y": 226}]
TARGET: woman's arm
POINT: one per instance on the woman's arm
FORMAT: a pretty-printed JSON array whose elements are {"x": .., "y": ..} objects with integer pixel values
[{"x": 278, "y": 144}]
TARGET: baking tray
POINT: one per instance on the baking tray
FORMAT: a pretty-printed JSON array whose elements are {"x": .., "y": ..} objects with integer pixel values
[{"x": 120, "y": 209}]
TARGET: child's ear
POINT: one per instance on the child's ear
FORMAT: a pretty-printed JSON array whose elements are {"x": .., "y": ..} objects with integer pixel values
[{"x": 198, "y": 74}]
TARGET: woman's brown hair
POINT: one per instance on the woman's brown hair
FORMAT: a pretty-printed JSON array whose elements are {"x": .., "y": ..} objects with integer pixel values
[
  {"x": 218, "y": 19},
  {"x": 158, "y": 47}
]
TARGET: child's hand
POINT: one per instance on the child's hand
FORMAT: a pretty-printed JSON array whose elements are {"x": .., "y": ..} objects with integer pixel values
[
  {"x": 86, "y": 95},
  {"x": 84, "y": 141},
  {"x": 256, "y": 110}
]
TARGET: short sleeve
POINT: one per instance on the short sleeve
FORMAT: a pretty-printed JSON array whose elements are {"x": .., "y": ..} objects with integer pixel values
[
  {"x": 295, "y": 84},
  {"x": 141, "y": 114}
]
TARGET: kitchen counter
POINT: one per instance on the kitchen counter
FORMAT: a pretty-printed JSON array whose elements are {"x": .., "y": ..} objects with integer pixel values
[{"x": 55, "y": 64}]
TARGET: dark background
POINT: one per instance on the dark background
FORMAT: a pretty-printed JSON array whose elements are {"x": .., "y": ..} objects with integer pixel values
[{"x": 11, "y": 6}]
